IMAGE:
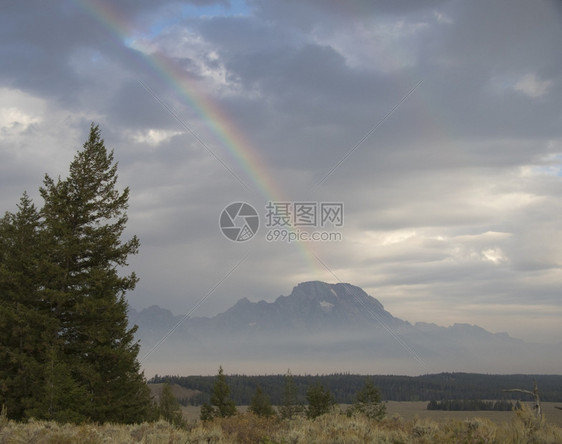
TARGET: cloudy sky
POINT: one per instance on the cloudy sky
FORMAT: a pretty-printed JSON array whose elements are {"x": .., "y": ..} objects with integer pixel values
[{"x": 437, "y": 125}]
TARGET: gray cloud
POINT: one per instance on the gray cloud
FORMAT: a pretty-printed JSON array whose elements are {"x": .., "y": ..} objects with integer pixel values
[{"x": 451, "y": 206}]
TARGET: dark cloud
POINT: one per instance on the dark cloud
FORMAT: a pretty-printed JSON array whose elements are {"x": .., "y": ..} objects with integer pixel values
[
  {"x": 135, "y": 107},
  {"x": 451, "y": 202},
  {"x": 307, "y": 15}
]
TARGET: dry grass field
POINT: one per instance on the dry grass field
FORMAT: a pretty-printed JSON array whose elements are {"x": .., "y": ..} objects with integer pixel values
[
  {"x": 407, "y": 423},
  {"x": 417, "y": 409}
]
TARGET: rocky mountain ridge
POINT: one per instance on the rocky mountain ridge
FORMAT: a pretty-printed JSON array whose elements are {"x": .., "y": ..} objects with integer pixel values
[{"x": 332, "y": 326}]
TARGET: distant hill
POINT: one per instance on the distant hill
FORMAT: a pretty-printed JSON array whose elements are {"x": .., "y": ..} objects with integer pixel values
[
  {"x": 181, "y": 393},
  {"x": 326, "y": 328}
]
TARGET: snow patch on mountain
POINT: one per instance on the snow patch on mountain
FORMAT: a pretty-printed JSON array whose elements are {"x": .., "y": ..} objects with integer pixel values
[{"x": 326, "y": 306}]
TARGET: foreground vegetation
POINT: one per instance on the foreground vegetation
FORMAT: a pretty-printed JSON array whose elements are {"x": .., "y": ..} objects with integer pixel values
[
  {"x": 67, "y": 352},
  {"x": 319, "y": 421},
  {"x": 335, "y": 427}
]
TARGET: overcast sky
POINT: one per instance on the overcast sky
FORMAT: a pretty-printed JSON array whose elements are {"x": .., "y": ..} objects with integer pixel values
[{"x": 446, "y": 114}]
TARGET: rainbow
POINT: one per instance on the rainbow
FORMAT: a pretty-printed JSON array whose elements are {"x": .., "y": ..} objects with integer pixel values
[
  {"x": 216, "y": 119},
  {"x": 226, "y": 131}
]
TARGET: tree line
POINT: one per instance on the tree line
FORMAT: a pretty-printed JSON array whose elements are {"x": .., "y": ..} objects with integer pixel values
[
  {"x": 319, "y": 401},
  {"x": 344, "y": 386},
  {"x": 67, "y": 352}
]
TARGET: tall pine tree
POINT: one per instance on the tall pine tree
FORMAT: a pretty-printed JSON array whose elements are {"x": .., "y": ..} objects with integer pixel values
[
  {"x": 84, "y": 220},
  {"x": 169, "y": 408},
  {"x": 220, "y": 396},
  {"x": 26, "y": 325},
  {"x": 291, "y": 406}
]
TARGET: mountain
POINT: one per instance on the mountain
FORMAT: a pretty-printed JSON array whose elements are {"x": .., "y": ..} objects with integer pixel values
[{"x": 324, "y": 328}]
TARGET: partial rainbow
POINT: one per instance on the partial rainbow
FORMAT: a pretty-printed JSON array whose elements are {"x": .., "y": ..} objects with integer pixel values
[
  {"x": 215, "y": 118},
  {"x": 222, "y": 126}
]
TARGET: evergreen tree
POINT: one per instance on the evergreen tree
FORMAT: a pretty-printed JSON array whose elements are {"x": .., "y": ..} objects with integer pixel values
[
  {"x": 368, "y": 402},
  {"x": 260, "y": 404},
  {"x": 26, "y": 325},
  {"x": 61, "y": 397},
  {"x": 220, "y": 397},
  {"x": 169, "y": 408},
  {"x": 291, "y": 406},
  {"x": 320, "y": 401},
  {"x": 84, "y": 220}
]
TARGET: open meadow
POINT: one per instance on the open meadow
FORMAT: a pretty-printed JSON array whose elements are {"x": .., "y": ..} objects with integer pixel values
[
  {"x": 411, "y": 410},
  {"x": 417, "y": 409},
  {"x": 406, "y": 422}
]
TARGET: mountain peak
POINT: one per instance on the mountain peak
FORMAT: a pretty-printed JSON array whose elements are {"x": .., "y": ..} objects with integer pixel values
[
  {"x": 311, "y": 306},
  {"x": 340, "y": 294},
  {"x": 321, "y": 304}
]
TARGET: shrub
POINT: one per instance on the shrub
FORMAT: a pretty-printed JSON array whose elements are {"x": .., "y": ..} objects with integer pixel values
[
  {"x": 260, "y": 404},
  {"x": 320, "y": 401}
]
